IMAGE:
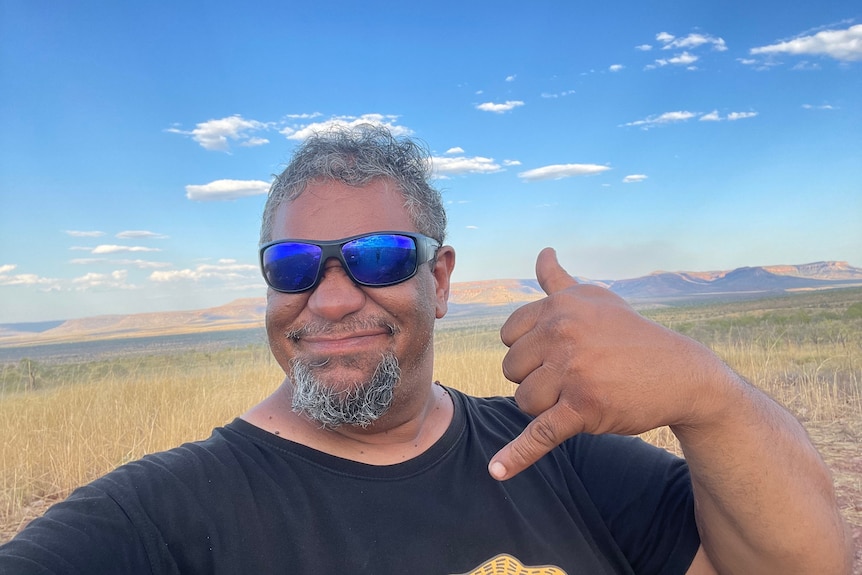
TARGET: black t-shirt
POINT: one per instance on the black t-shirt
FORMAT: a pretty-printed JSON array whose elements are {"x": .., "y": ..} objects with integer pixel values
[{"x": 245, "y": 501}]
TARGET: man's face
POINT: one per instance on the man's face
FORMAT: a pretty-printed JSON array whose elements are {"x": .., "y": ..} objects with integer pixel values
[{"x": 339, "y": 333}]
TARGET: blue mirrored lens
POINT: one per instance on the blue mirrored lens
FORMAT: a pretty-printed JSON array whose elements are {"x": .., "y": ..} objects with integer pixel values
[
  {"x": 291, "y": 266},
  {"x": 380, "y": 259}
]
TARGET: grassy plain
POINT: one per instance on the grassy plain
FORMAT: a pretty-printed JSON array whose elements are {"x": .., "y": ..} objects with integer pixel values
[{"x": 63, "y": 425}]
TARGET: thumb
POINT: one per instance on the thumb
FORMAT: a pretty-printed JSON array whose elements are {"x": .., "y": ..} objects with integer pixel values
[{"x": 551, "y": 275}]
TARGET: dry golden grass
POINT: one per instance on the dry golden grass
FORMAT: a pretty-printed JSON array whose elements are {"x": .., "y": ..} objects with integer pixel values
[
  {"x": 62, "y": 437},
  {"x": 94, "y": 417}
]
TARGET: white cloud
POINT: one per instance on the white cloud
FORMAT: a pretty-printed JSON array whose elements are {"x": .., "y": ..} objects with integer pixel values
[
  {"x": 442, "y": 166},
  {"x": 216, "y": 135},
  {"x": 140, "y": 234},
  {"x": 758, "y": 65},
  {"x": 472, "y": 227},
  {"x": 644, "y": 47},
  {"x": 666, "y": 118},
  {"x": 843, "y": 45},
  {"x": 252, "y": 142},
  {"x": 559, "y": 171},
  {"x": 806, "y": 65},
  {"x": 823, "y": 107},
  {"x": 113, "y": 249},
  {"x": 114, "y": 280},
  {"x": 304, "y": 116},
  {"x": 685, "y": 43},
  {"x": 616, "y": 67},
  {"x": 691, "y": 41},
  {"x": 140, "y": 264},
  {"x": 634, "y": 178},
  {"x": 683, "y": 59},
  {"x": 388, "y": 121},
  {"x": 499, "y": 108},
  {"x": 511, "y": 162},
  {"x": 143, "y": 264},
  {"x": 511, "y": 78},
  {"x": 714, "y": 116},
  {"x": 740, "y": 115},
  {"x": 25, "y": 279},
  {"x": 558, "y": 94},
  {"x": 455, "y": 150},
  {"x": 224, "y": 270},
  {"x": 220, "y": 190},
  {"x": 175, "y": 275},
  {"x": 83, "y": 234}
]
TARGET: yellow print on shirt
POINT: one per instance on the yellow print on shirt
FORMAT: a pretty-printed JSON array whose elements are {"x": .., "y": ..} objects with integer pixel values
[{"x": 508, "y": 565}]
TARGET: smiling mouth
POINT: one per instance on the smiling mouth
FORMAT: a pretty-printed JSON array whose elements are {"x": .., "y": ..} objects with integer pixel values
[
  {"x": 353, "y": 344},
  {"x": 324, "y": 344},
  {"x": 331, "y": 333}
]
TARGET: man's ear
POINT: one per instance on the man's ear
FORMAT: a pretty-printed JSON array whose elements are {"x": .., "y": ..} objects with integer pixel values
[{"x": 444, "y": 263}]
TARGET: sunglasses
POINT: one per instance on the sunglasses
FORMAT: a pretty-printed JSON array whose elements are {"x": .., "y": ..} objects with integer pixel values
[{"x": 376, "y": 260}]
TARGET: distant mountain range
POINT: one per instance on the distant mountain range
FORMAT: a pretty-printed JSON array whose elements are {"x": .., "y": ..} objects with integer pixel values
[
  {"x": 747, "y": 280},
  {"x": 467, "y": 299}
]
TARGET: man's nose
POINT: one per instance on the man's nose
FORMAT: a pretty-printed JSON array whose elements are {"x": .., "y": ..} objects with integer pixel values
[{"x": 336, "y": 296}]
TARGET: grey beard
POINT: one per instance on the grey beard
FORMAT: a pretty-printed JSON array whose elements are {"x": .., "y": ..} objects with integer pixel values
[{"x": 360, "y": 405}]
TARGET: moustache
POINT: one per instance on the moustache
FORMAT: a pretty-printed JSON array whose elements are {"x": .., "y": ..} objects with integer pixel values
[{"x": 345, "y": 327}]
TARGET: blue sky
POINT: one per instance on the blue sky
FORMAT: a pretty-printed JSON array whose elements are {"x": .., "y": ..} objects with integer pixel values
[{"x": 138, "y": 138}]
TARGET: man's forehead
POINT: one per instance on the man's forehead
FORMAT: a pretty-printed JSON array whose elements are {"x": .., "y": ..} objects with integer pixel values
[{"x": 330, "y": 209}]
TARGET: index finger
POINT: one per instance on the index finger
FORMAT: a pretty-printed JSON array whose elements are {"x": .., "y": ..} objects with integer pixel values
[{"x": 548, "y": 430}]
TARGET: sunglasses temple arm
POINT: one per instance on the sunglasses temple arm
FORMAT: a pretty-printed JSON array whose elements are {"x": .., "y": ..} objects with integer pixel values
[{"x": 431, "y": 247}]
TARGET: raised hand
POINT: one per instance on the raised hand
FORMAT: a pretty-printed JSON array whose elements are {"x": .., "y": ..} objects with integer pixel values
[{"x": 587, "y": 362}]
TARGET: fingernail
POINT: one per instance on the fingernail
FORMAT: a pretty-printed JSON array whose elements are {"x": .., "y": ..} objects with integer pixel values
[{"x": 497, "y": 470}]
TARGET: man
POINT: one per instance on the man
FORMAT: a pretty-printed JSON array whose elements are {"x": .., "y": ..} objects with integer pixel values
[{"x": 360, "y": 463}]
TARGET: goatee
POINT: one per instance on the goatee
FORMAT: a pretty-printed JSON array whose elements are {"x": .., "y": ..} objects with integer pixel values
[{"x": 359, "y": 404}]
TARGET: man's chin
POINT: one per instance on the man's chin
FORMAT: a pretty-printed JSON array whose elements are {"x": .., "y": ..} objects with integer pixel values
[
  {"x": 335, "y": 394},
  {"x": 363, "y": 426}
]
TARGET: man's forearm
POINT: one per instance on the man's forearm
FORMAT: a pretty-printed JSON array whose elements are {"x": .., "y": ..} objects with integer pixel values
[{"x": 765, "y": 502}]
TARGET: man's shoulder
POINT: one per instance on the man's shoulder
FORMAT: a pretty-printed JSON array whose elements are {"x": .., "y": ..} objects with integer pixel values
[
  {"x": 493, "y": 407},
  {"x": 145, "y": 511},
  {"x": 492, "y": 402},
  {"x": 190, "y": 463}
]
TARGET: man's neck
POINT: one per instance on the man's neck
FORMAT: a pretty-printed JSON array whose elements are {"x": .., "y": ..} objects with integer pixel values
[{"x": 406, "y": 431}]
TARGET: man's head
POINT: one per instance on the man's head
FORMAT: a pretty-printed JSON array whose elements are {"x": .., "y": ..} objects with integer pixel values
[
  {"x": 356, "y": 156},
  {"x": 346, "y": 339}
]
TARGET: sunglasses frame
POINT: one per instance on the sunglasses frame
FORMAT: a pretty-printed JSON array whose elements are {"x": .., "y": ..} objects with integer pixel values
[{"x": 426, "y": 250}]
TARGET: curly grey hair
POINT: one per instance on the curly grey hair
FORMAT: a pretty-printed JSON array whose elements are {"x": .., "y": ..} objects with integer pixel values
[{"x": 356, "y": 156}]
